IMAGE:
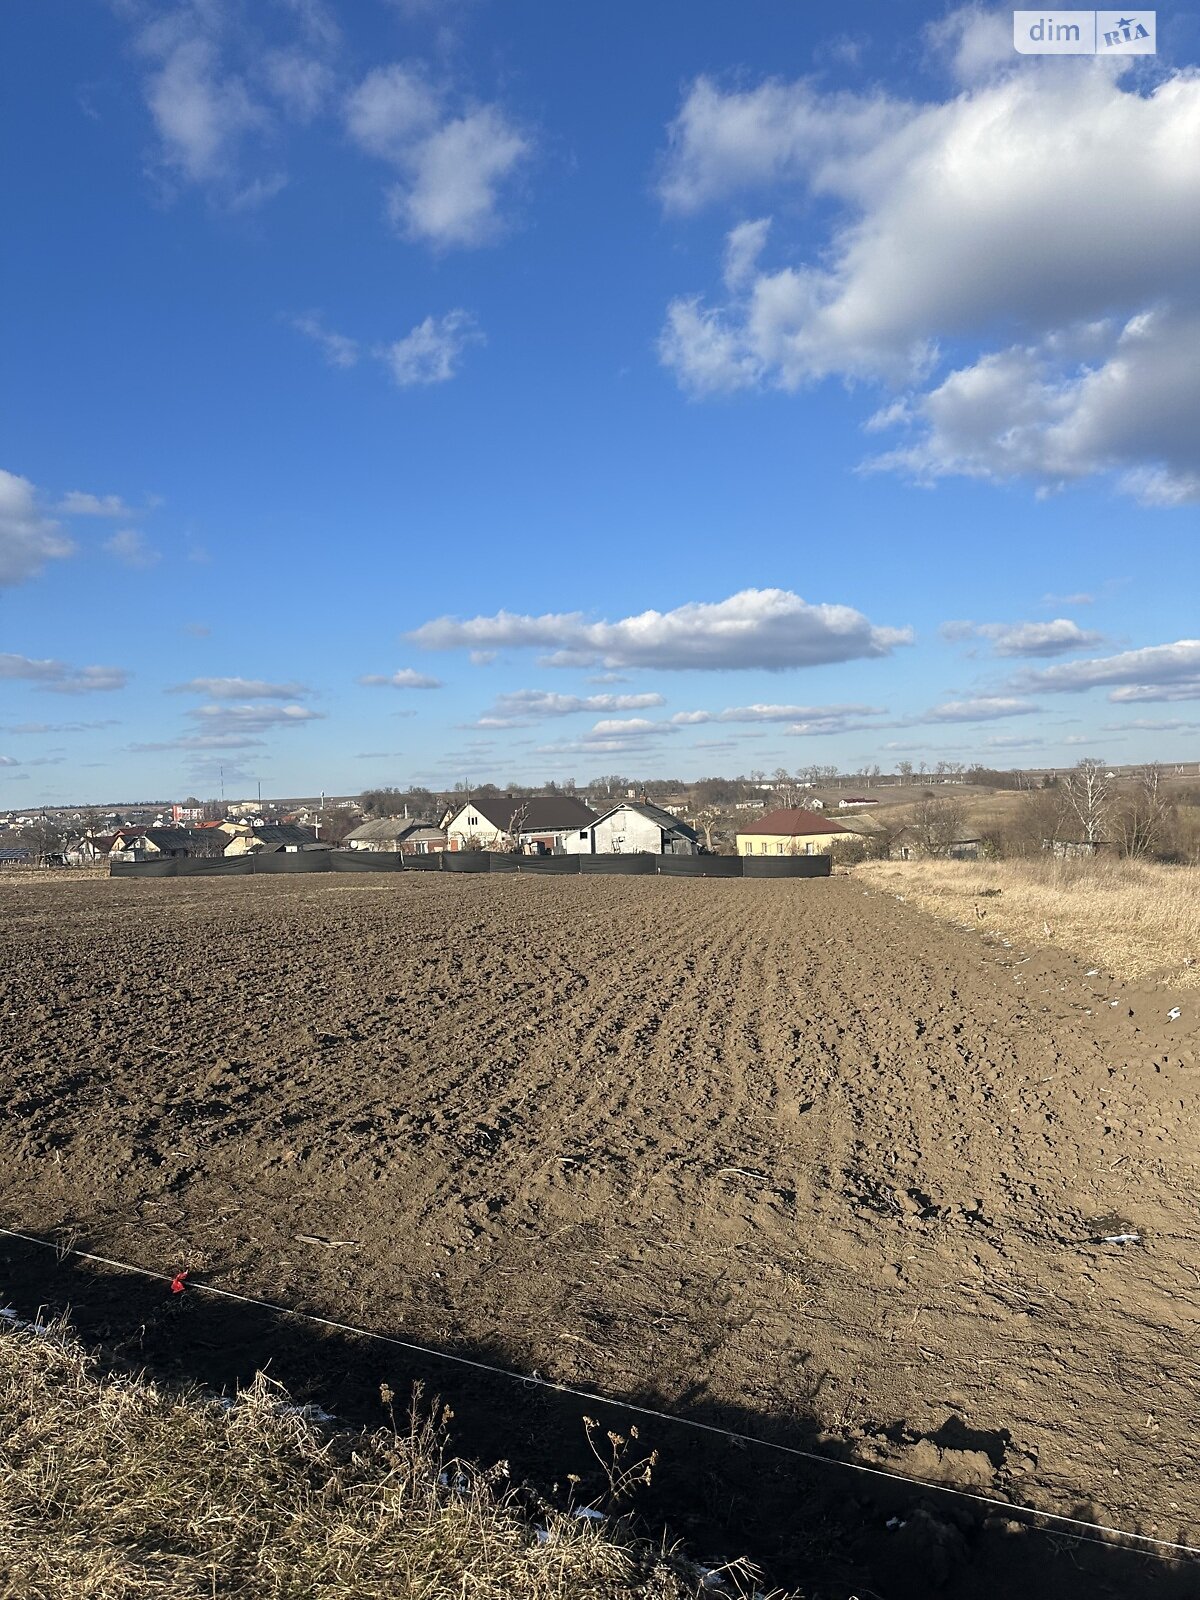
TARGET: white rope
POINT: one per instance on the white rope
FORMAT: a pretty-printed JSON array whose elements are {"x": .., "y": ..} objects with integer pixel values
[{"x": 533, "y": 1380}]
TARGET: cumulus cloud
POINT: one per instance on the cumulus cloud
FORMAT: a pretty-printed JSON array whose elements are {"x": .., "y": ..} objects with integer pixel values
[
  {"x": 76, "y": 503},
  {"x": 240, "y": 689},
  {"x": 405, "y": 678},
  {"x": 454, "y": 166},
  {"x": 432, "y": 351},
  {"x": 1157, "y": 672},
  {"x": 199, "y": 741},
  {"x": 201, "y": 111},
  {"x": 519, "y": 708},
  {"x": 27, "y": 539},
  {"x": 224, "y": 720},
  {"x": 337, "y": 348},
  {"x": 301, "y": 81},
  {"x": 802, "y": 721},
  {"x": 1093, "y": 283},
  {"x": 771, "y": 629},
  {"x": 58, "y": 727},
  {"x": 983, "y": 708},
  {"x": 59, "y": 677},
  {"x": 131, "y": 549},
  {"x": 1024, "y": 638}
]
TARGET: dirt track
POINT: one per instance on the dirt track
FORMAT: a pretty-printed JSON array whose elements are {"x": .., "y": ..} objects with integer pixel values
[{"x": 786, "y": 1148}]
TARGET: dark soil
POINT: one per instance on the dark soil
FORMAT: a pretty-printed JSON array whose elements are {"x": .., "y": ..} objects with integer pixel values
[{"x": 782, "y": 1156}]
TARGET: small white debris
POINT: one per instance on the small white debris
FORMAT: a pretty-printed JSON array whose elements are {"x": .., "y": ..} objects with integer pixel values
[
  {"x": 1174, "y": 1014},
  {"x": 894, "y": 1522},
  {"x": 589, "y": 1513},
  {"x": 1093, "y": 972},
  {"x": 1120, "y": 1238}
]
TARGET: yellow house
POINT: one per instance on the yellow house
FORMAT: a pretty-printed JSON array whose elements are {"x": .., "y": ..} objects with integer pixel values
[{"x": 791, "y": 832}]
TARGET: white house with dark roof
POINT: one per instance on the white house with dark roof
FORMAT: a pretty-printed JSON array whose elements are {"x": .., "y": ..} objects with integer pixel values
[
  {"x": 635, "y": 825},
  {"x": 540, "y": 824}
]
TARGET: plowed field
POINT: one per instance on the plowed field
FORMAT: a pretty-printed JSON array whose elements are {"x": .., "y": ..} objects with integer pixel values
[{"x": 781, "y": 1152}]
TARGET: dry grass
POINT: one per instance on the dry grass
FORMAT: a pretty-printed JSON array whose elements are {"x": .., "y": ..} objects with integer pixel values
[
  {"x": 1139, "y": 920},
  {"x": 117, "y": 1489}
]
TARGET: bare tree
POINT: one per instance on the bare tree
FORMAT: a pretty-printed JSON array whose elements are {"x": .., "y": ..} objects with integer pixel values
[
  {"x": 510, "y": 840},
  {"x": 937, "y": 823},
  {"x": 905, "y": 769},
  {"x": 1141, "y": 823},
  {"x": 1086, "y": 793}
]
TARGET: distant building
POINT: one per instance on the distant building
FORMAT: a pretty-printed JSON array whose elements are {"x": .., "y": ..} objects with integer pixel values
[
  {"x": 634, "y": 825},
  {"x": 274, "y": 836},
  {"x": 855, "y": 800},
  {"x": 790, "y": 831},
  {"x": 148, "y": 844},
  {"x": 538, "y": 825},
  {"x": 388, "y": 834}
]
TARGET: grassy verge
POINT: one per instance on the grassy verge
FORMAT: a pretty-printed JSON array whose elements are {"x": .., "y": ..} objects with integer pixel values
[
  {"x": 114, "y": 1488},
  {"x": 1139, "y": 920}
]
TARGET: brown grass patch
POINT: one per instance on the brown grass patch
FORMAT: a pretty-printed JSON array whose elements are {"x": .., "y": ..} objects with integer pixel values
[
  {"x": 114, "y": 1488},
  {"x": 1139, "y": 920}
]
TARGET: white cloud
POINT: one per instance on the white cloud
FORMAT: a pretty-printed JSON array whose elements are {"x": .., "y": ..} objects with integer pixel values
[
  {"x": 1158, "y": 672},
  {"x": 390, "y": 109},
  {"x": 1136, "y": 694},
  {"x": 983, "y": 708},
  {"x": 302, "y": 82},
  {"x": 757, "y": 628},
  {"x": 1026, "y": 412},
  {"x": 200, "y": 112},
  {"x": 743, "y": 246},
  {"x": 453, "y": 196},
  {"x": 130, "y": 548},
  {"x": 58, "y": 677},
  {"x": 199, "y": 741},
  {"x": 58, "y": 727},
  {"x": 772, "y": 713},
  {"x": 990, "y": 215},
  {"x": 454, "y": 166},
  {"x": 405, "y": 678},
  {"x": 1148, "y": 725},
  {"x": 513, "y": 710},
  {"x": 27, "y": 539},
  {"x": 432, "y": 351},
  {"x": 78, "y": 504},
  {"x": 338, "y": 350},
  {"x": 222, "y": 720},
  {"x": 1025, "y": 638},
  {"x": 240, "y": 689}
]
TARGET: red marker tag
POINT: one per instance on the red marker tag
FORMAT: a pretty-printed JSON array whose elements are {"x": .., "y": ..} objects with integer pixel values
[{"x": 177, "y": 1282}]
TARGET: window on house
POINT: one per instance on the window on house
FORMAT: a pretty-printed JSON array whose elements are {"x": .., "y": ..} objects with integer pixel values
[{"x": 779, "y": 849}]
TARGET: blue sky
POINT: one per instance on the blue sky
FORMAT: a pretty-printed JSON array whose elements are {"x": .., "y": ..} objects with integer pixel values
[{"x": 404, "y": 393}]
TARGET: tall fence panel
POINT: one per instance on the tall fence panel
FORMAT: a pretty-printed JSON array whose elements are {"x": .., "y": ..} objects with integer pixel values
[
  {"x": 366, "y": 861},
  {"x": 466, "y": 861},
  {"x": 639, "y": 864},
  {"x": 786, "y": 866},
  {"x": 700, "y": 866},
  {"x": 548, "y": 866},
  {"x": 291, "y": 861}
]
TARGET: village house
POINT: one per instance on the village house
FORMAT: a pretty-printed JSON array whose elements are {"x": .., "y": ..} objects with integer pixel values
[
  {"x": 148, "y": 844},
  {"x": 634, "y": 825},
  {"x": 539, "y": 825},
  {"x": 909, "y": 845},
  {"x": 273, "y": 836},
  {"x": 790, "y": 831},
  {"x": 402, "y": 835}
]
